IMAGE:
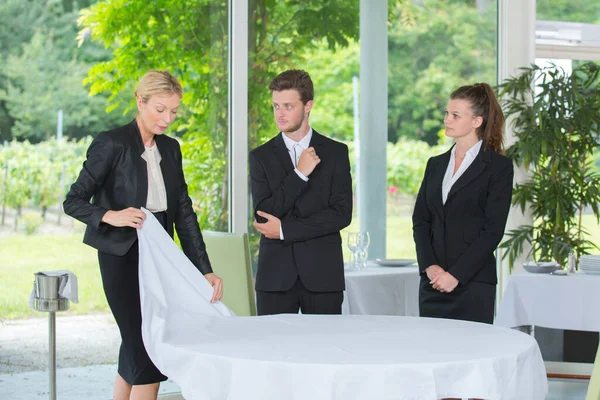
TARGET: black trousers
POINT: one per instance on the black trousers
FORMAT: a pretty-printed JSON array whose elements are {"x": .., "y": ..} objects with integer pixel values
[
  {"x": 298, "y": 298},
  {"x": 122, "y": 289}
]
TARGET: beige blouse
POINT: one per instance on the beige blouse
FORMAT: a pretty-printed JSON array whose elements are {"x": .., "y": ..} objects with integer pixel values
[{"x": 157, "y": 194}]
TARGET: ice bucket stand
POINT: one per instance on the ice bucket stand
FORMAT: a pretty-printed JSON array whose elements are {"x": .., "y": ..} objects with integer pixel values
[{"x": 48, "y": 300}]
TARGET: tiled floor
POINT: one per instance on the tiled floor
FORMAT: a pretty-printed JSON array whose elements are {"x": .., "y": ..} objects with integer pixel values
[
  {"x": 92, "y": 382},
  {"x": 95, "y": 383}
]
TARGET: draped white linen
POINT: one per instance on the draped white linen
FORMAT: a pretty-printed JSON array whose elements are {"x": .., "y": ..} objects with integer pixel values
[
  {"x": 551, "y": 301},
  {"x": 215, "y": 356}
]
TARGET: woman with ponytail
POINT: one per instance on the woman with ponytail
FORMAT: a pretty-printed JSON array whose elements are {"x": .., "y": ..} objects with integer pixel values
[{"x": 461, "y": 210}]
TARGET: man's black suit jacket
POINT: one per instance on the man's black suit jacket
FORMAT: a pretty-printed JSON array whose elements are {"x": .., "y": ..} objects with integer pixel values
[
  {"x": 115, "y": 176},
  {"x": 312, "y": 214},
  {"x": 462, "y": 235}
]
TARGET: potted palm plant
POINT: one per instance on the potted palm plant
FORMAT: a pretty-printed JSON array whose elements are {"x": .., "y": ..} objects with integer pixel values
[{"x": 556, "y": 120}]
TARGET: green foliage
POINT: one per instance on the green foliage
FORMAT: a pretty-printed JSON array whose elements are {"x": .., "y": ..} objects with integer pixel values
[
  {"x": 190, "y": 38},
  {"x": 568, "y": 10},
  {"x": 332, "y": 74},
  {"x": 43, "y": 71},
  {"x": 32, "y": 222},
  {"x": 557, "y": 126},
  {"x": 207, "y": 178},
  {"x": 435, "y": 46},
  {"x": 39, "y": 175},
  {"x": 406, "y": 162}
]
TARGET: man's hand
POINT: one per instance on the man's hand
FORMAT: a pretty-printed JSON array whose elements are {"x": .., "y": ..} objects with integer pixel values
[
  {"x": 433, "y": 271},
  {"x": 217, "y": 284},
  {"x": 133, "y": 217},
  {"x": 445, "y": 282},
  {"x": 308, "y": 161},
  {"x": 270, "y": 228}
]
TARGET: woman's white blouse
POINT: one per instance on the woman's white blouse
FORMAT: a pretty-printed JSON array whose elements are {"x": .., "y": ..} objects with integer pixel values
[
  {"x": 157, "y": 194},
  {"x": 450, "y": 178}
]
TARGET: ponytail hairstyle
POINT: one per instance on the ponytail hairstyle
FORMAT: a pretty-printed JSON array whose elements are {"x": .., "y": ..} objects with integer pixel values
[{"x": 484, "y": 104}]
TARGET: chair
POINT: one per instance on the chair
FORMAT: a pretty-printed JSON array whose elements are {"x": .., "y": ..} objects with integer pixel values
[
  {"x": 593, "y": 392},
  {"x": 229, "y": 255}
]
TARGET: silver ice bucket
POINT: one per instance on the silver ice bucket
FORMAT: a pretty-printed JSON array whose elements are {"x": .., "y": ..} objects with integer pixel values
[{"x": 46, "y": 292}]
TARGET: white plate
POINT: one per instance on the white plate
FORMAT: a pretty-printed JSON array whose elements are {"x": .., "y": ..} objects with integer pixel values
[
  {"x": 399, "y": 262},
  {"x": 541, "y": 267},
  {"x": 560, "y": 272}
]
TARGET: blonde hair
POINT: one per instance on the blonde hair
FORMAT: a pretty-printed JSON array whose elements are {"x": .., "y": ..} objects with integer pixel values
[{"x": 158, "y": 82}]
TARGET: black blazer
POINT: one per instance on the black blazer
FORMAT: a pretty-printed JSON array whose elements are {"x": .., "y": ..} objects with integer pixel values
[
  {"x": 312, "y": 214},
  {"x": 115, "y": 176},
  {"x": 462, "y": 235}
]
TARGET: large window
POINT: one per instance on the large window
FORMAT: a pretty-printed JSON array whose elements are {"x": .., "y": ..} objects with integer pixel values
[
  {"x": 434, "y": 47},
  {"x": 568, "y": 30},
  {"x": 52, "y": 63},
  {"x": 567, "y": 35},
  {"x": 285, "y": 35}
]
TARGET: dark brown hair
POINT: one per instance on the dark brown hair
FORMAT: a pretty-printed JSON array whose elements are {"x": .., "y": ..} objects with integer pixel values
[
  {"x": 294, "y": 79},
  {"x": 484, "y": 104}
]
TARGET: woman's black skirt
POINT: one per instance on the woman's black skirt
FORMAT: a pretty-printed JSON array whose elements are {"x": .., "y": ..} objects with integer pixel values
[{"x": 471, "y": 302}]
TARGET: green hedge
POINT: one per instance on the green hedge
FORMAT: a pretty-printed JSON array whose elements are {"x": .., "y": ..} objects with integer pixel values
[{"x": 39, "y": 175}]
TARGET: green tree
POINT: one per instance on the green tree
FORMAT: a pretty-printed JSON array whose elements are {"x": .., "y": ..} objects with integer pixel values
[
  {"x": 44, "y": 71},
  {"x": 332, "y": 73},
  {"x": 435, "y": 46},
  {"x": 190, "y": 39},
  {"x": 40, "y": 83}
]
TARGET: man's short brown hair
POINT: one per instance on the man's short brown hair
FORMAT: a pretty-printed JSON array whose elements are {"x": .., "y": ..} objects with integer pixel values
[{"x": 294, "y": 79}]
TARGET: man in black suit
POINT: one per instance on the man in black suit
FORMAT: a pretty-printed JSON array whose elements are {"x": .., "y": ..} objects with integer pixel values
[{"x": 302, "y": 194}]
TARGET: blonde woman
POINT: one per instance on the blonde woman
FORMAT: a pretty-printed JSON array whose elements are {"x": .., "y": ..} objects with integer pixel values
[{"x": 126, "y": 168}]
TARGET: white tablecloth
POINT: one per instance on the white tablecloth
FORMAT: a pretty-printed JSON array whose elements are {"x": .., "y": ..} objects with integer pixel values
[
  {"x": 214, "y": 356},
  {"x": 350, "y": 357},
  {"x": 382, "y": 291},
  {"x": 551, "y": 301}
]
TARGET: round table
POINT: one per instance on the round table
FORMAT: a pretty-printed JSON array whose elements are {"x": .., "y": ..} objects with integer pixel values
[
  {"x": 215, "y": 356},
  {"x": 349, "y": 357}
]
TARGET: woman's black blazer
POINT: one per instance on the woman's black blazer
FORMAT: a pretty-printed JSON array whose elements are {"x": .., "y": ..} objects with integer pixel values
[
  {"x": 115, "y": 176},
  {"x": 462, "y": 235}
]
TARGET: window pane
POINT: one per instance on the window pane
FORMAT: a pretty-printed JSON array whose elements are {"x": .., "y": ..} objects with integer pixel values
[
  {"x": 295, "y": 36},
  {"x": 434, "y": 47},
  {"x": 589, "y": 222},
  {"x": 45, "y": 71},
  {"x": 568, "y": 10}
]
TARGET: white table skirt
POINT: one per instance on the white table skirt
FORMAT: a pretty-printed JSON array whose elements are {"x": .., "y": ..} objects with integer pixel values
[
  {"x": 303, "y": 357},
  {"x": 551, "y": 301},
  {"x": 213, "y": 356},
  {"x": 382, "y": 291}
]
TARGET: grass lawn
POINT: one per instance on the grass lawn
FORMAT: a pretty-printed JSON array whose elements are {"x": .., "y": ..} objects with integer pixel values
[
  {"x": 400, "y": 242},
  {"x": 21, "y": 256}
]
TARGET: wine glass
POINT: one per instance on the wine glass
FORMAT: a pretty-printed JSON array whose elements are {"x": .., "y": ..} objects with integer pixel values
[
  {"x": 353, "y": 245},
  {"x": 364, "y": 239}
]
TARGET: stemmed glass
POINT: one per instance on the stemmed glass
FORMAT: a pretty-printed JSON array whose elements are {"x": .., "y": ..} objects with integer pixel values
[
  {"x": 353, "y": 243},
  {"x": 364, "y": 239},
  {"x": 358, "y": 243}
]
